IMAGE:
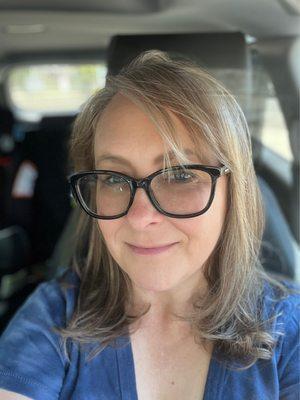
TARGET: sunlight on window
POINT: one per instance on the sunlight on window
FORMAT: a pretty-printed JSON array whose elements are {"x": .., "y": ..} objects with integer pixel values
[
  {"x": 274, "y": 133},
  {"x": 55, "y": 88},
  {"x": 255, "y": 92}
]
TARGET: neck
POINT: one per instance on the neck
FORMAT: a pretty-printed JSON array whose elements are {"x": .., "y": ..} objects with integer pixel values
[{"x": 167, "y": 305}]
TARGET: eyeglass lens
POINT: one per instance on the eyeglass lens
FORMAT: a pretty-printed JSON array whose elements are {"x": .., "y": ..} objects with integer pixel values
[{"x": 183, "y": 191}]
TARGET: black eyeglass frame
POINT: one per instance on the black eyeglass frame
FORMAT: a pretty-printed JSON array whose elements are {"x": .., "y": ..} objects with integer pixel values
[{"x": 144, "y": 183}]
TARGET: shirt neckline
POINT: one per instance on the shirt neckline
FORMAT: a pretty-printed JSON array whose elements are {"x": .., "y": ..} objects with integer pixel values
[{"x": 214, "y": 382}]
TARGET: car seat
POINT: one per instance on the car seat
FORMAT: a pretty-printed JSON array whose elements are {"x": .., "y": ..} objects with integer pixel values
[
  {"x": 43, "y": 213},
  {"x": 7, "y": 148}
]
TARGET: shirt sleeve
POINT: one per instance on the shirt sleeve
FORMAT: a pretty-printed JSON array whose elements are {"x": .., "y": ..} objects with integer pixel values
[
  {"x": 32, "y": 361},
  {"x": 289, "y": 361}
]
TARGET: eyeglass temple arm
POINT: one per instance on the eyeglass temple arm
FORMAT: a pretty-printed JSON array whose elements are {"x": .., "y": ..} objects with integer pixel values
[{"x": 224, "y": 170}]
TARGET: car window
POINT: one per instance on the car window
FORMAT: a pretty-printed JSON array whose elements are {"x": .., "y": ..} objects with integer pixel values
[
  {"x": 37, "y": 90},
  {"x": 53, "y": 88},
  {"x": 255, "y": 92}
]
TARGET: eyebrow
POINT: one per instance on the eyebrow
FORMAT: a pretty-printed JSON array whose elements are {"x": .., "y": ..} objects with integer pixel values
[{"x": 122, "y": 160}]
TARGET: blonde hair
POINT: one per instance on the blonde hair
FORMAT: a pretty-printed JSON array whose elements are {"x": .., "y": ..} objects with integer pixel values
[{"x": 230, "y": 313}]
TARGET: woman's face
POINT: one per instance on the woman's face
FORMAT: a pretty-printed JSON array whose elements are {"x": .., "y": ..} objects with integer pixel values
[{"x": 127, "y": 141}]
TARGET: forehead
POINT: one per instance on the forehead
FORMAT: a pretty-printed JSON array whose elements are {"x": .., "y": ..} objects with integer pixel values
[
  {"x": 123, "y": 119},
  {"x": 125, "y": 129}
]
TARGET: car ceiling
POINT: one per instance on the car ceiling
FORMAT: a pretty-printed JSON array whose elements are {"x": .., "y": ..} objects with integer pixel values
[{"x": 35, "y": 26}]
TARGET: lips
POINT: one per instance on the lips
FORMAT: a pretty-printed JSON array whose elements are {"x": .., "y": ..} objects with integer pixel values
[{"x": 151, "y": 250}]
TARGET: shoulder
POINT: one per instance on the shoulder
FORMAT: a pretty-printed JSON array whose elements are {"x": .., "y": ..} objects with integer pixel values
[
  {"x": 54, "y": 299},
  {"x": 282, "y": 308},
  {"x": 286, "y": 327},
  {"x": 59, "y": 293},
  {"x": 285, "y": 304},
  {"x": 278, "y": 376},
  {"x": 48, "y": 307},
  {"x": 32, "y": 360}
]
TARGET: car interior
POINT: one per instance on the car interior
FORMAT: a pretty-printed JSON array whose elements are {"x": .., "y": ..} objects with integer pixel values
[{"x": 54, "y": 55}]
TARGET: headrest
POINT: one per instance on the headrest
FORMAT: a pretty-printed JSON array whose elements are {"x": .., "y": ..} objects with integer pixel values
[
  {"x": 56, "y": 123},
  {"x": 210, "y": 50}
]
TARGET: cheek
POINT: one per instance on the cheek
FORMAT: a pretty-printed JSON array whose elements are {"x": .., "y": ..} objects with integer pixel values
[
  {"x": 204, "y": 231},
  {"x": 109, "y": 230}
]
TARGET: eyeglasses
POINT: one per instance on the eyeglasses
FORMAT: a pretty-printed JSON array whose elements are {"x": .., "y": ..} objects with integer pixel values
[{"x": 183, "y": 191}]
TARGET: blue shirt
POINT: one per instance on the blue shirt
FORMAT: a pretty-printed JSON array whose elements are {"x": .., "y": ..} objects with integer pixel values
[{"x": 32, "y": 361}]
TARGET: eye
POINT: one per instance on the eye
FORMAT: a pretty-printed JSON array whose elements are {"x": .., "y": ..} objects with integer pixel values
[
  {"x": 180, "y": 177},
  {"x": 112, "y": 180}
]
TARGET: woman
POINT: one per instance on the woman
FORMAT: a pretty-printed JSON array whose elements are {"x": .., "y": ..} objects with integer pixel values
[{"x": 166, "y": 298}]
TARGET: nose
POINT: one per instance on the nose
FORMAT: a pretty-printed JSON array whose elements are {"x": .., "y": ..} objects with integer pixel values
[{"x": 142, "y": 212}]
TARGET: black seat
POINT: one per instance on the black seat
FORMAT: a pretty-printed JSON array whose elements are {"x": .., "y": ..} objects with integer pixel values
[
  {"x": 7, "y": 148},
  {"x": 277, "y": 252},
  {"x": 44, "y": 215},
  {"x": 14, "y": 256}
]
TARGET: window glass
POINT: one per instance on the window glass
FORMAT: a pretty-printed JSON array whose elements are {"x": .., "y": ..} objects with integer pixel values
[
  {"x": 53, "y": 88},
  {"x": 255, "y": 93},
  {"x": 274, "y": 133}
]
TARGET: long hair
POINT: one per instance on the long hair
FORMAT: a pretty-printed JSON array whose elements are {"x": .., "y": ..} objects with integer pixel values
[{"x": 230, "y": 312}]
